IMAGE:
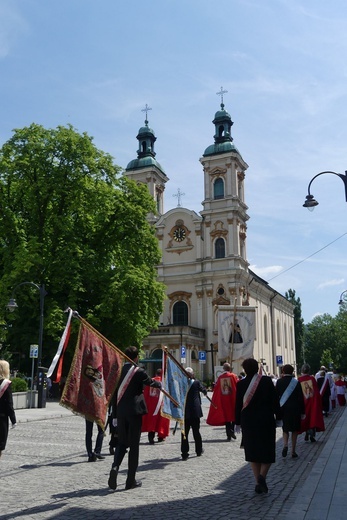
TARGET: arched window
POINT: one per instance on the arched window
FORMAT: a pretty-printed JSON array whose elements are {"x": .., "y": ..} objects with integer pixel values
[
  {"x": 220, "y": 130},
  {"x": 180, "y": 313},
  {"x": 144, "y": 146},
  {"x": 219, "y": 247},
  {"x": 266, "y": 338},
  {"x": 278, "y": 333},
  {"x": 218, "y": 189}
]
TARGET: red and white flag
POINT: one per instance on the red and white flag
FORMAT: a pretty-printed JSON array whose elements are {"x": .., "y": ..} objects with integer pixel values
[{"x": 57, "y": 363}]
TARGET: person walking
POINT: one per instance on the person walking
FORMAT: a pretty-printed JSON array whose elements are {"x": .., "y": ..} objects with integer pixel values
[
  {"x": 192, "y": 416},
  {"x": 222, "y": 408},
  {"x": 94, "y": 455},
  {"x": 6, "y": 404},
  {"x": 257, "y": 405},
  {"x": 340, "y": 384},
  {"x": 313, "y": 421},
  {"x": 128, "y": 407},
  {"x": 324, "y": 389},
  {"x": 292, "y": 405},
  {"x": 153, "y": 422}
]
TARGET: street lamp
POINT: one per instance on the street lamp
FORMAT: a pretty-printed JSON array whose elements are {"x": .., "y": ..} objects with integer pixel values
[
  {"x": 12, "y": 305},
  {"x": 341, "y": 300},
  {"x": 310, "y": 201}
]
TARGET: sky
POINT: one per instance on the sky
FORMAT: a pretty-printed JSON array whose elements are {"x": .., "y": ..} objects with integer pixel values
[{"x": 96, "y": 64}]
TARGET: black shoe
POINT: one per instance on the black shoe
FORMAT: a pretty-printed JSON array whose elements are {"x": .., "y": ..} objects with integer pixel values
[
  {"x": 92, "y": 458},
  {"x": 229, "y": 438},
  {"x": 258, "y": 489},
  {"x": 262, "y": 484},
  {"x": 99, "y": 457},
  {"x": 285, "y": 451},
  {"x": 185, "y": 456},
  {"x": 312, "y": 439},
  {"x": 294, "y": 455},
  {"x": 306, "y": 436},
  {"x": 232, "y": 435},
  {"x": 112, "y": 479},
  {"x": 134, "y": 485},
  {"x": 161, "y": 439}
]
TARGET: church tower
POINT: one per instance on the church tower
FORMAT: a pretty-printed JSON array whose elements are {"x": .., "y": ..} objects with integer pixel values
[
  {"x": 225, "y": 212},
  {"x": 146, "y": 169}
]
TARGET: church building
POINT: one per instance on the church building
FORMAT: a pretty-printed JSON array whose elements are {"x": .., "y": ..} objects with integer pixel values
[{"x": 204, "y": 264}]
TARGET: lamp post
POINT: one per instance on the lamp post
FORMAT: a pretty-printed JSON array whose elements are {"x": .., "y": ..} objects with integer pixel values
[
  {"x": 12, "y": 305},
  {"x": 341, "y": 300},
  {"x": 310, "y": 201}
]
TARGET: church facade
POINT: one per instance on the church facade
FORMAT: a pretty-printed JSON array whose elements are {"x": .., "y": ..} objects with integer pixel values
[{"x": 204, "y": 263}]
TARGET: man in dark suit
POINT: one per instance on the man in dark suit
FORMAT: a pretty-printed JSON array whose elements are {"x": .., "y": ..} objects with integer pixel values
[
  {"x": 128, "y": 406},
  {"x": 192, "y": 414}
]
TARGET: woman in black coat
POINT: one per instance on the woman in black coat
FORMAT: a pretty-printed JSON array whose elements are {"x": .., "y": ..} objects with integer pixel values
[
  {"x": 292, "y": 409},
  {"x": 256, "y": 416},
  {"x": 6, "y": 403}
]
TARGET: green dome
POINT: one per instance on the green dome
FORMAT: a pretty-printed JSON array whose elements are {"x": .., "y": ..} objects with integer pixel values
[
  {"x": 221, "y": 114},
  {"x": 217, "y": 148},
  {"x": 144, "y": 162},
  {"x": 146, "y": 130}
]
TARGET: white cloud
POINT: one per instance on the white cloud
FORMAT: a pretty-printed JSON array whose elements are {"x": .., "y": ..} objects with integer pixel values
[
  {"x": 331, "y": 283},
  {"x": 264, "y": 272}
]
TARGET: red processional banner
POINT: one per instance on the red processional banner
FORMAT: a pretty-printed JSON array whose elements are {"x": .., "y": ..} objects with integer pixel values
[{"x": 93, "y": 376}]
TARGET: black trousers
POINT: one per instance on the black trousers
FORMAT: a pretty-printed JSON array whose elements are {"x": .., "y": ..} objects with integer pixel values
[
  {"x": 229, "y": 428},
  {"x": 129, "y": 434},
  {"x": 193, "y": 424},
  {"x": 89, "y": 435}
]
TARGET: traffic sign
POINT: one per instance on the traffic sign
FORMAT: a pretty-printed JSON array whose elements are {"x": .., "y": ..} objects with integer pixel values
[
  {"x": 183, "y": 355},
  {"x": 202, "y": 356},
  {"x": 34, "y": 351}
]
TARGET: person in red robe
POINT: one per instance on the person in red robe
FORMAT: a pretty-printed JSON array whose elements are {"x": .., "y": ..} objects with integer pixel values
[
  {"x": 340, "y": 384},
  {"x": 222, "y": 408},
  {"x": 313, "y": 421},
  {"x": 153, "y": 422}
]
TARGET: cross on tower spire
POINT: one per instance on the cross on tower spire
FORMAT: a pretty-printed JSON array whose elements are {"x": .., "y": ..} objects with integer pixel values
[
  {"x": 146, "y": 109},
  {"x": 220, "y": 93},
  {"x": 179, "y": 194}
]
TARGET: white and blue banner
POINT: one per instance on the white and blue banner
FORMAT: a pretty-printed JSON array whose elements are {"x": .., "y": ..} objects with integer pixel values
[{"x": 236, "y": 332}]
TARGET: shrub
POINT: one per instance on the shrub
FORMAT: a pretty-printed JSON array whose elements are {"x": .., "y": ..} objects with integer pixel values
[{"x": 19, "y": 385}]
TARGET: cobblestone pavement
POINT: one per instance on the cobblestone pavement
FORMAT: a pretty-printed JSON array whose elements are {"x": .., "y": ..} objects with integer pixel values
[{"x": 45, "y": 475}]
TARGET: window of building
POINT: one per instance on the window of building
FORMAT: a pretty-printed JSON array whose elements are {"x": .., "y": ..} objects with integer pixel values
[
  {"x": 180, "y": 313},
  {"x": 218, "y": 189},
  {"x": 266, "y": 337},
  {"x": 219, "y": 248},
  {"x": 278, "y": 333}
]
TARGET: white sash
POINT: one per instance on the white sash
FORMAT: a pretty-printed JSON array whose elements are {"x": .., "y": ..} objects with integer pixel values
[
  {"x": 253, "y": 385},
  {"x": 288, "y": 391},
  {"x": 4, "y": 385},
  {"x": 125, "y": 383}
]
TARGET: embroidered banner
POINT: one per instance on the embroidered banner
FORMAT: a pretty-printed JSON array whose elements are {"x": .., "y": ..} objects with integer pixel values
[
  {"x": 93, "y": 376},
  {"x": 236, "y": 332},
  {"x": 176, "y": 383}
]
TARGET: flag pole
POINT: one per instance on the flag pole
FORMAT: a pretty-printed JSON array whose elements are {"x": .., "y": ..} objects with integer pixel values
[
  {"x": 120, "y": 352},
  {"x": 233, "y": 336}
]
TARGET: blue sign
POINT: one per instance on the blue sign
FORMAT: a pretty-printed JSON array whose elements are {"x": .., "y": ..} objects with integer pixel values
[
  {"x": 183, "y": 354},
  {"x": 202, "y": 356},
  {"x": 279, "y": 361}
]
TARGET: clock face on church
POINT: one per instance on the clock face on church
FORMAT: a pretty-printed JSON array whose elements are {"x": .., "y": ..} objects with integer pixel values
[{"x": 179, "y": 234}]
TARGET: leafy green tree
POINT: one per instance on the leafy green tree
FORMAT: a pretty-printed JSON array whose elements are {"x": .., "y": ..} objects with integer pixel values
[
  {"x": 320, "y": 337},
  {"x": 70, "y": 221},
  {"x": 298, "y": 326}
]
